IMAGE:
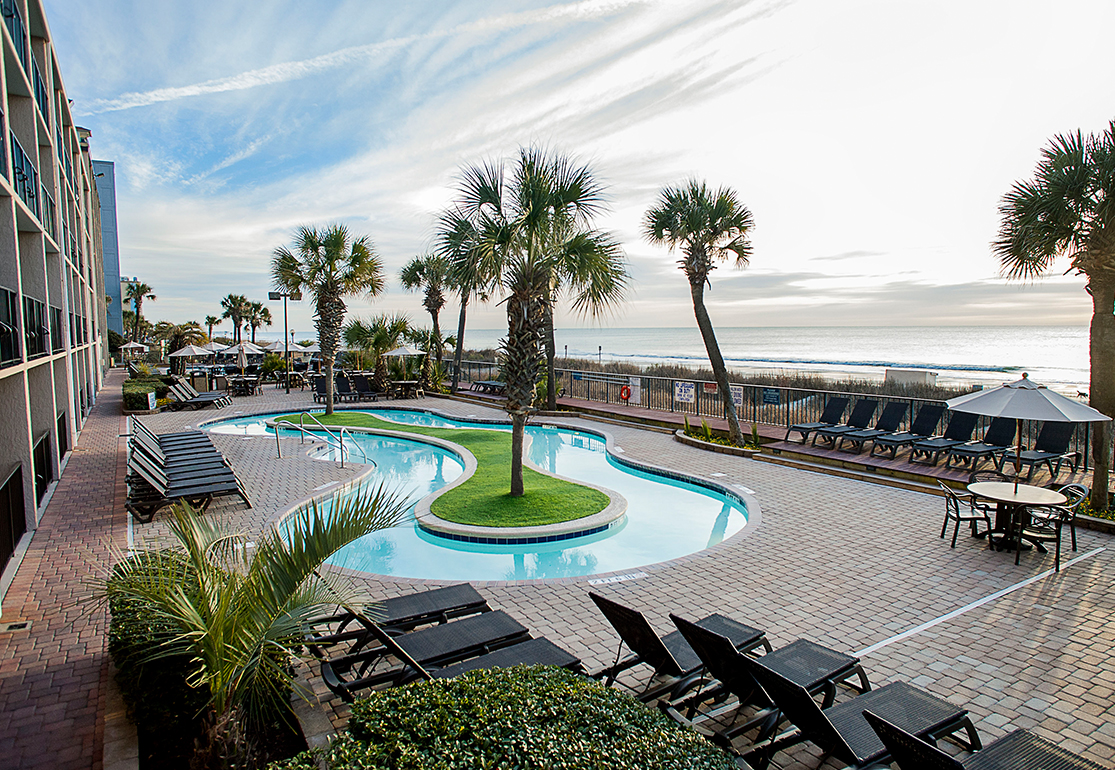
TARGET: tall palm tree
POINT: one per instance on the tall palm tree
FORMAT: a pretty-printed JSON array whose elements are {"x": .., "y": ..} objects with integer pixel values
[
  {"x": 136, "y": 293},
  {"x": 178, "y": 336},
  {"x": 235, "y": 614},
  {"x": 328, "y": 265},
  {"x": 708, "y": 226},
  {"x": 1068, "y": 209},
  {"x": 210, "y": 322},
  {"x": 235, "y": 308},
  {"x": 257, "y": 316},
  {"x": 431, "y": 273},
  {"x": 376, "y": 336},
  {"x": 532, "y": 229}
]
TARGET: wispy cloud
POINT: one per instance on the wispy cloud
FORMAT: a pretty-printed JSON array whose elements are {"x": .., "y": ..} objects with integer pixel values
[{"x": 296, "y": 70}]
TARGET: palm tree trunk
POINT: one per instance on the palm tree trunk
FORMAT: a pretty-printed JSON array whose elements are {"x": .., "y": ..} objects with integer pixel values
[
  {"x": 522, "y": 362},
  {"x": 1102, "y": 386},
  {"x": 518, "y": 426},
  {"x": 437, "y": 337},
  {"x": 551, "y": 355},
  {"x": 460, "y": 342},
  {"x": 719, "y": 371}
]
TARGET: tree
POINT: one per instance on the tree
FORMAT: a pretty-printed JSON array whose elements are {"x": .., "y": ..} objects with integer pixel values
[
  {"x": 1068, "y": 209},
  {"x": 235, "y": 308},
  {"x": 531, "y": 231},
  {"x": 431, "y": 274},
  {"x": 210, "y": 322},
  {"x": 236, "y": 614},
  {"x": 257, "y": 316},
  {"x": 136, "y": 293},
  {"x": 377, "y": 336},
  {"x": 328, "y": 266},
  {"x": 178, "y": 336},
  {"x": 708, "y": 227}
]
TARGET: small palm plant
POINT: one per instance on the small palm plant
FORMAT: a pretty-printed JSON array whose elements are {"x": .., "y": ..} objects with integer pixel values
[{"x": 236, "y": 615}]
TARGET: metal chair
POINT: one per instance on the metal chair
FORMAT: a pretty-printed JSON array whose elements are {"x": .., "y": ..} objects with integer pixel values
[
  {"x": 1045, "y": 525},
  {"x": 954, "y": 511}
]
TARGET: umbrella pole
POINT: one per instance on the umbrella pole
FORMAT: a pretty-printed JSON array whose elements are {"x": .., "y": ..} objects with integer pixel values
[{"x": 1018, "y": 457}]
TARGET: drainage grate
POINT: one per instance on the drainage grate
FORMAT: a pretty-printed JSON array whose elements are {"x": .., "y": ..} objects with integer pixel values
[{"x": 16, "y": 625}]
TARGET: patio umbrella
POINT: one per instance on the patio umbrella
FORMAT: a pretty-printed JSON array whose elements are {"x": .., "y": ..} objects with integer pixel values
[
  {"x": 213, "y": 347},
  {"x": 1025, "y": 400},
  {"x": 313, "y": 347},
  {"x": 133, "y": 346},
  {"x": 404, "y": 352},
  {"x": 190, "y": 351},
  {"x": 246, "y": 347}
]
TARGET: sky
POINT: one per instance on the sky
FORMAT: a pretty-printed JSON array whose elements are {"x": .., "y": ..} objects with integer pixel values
[{"x": 872, "y": 140}]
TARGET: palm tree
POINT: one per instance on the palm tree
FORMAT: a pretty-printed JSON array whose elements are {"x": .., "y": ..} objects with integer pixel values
[
  {"x": 210, "y": 322},
  {"x": 709, "y": 227},
  {"x": 136, "y": 293},
  {"x": 1067, "y": 210},
  {"x": 257, "y": 316},
  {"x": 329, "y": 266},
  {"x": 236, "y": 307},
  {"x": 236, "y": 614},
  {"x": 531, "y": 229},
  {"x": 431, "y": 273},
  {"x": 377, "y": 336},
  {"x": 178, "y": 336}
]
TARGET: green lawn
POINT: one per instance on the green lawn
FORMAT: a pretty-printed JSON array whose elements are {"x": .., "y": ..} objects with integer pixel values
[{"x": 483, "y": 500}]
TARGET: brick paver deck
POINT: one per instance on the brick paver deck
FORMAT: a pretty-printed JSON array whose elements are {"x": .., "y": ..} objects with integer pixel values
[{"x": 839, "y": 561}]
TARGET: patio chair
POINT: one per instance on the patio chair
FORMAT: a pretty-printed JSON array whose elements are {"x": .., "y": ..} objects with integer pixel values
[
  {"x": 858, "y": 420},
  {"x": 1019, "y": 750},
  {"x": 816, "y": 668},
  {"x": 218, "y": 398},
  {"x": 831, "y": 415},
  {"x": 887, "y": 424},
  {"x": 320, "y": 389},
  {"x": 439, "y": 646},
  {"x": 924, "y": 425},
  {"x": 961, "y": 508},
  {"x": 1045, "y": 525},
  {"x": 841, "y": 730},
  {"x": 959, "y": 431},
  {"x": 183, "y": 399},
  {"x": 997, "y": 440},
  {"x": 1050, "y": 450},
  {"x": 670, "y": 656},
  {"x": 343, "y": 390}
]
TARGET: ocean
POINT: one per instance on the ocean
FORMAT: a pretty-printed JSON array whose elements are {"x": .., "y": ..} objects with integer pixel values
[{"x": 989, "y": 355}]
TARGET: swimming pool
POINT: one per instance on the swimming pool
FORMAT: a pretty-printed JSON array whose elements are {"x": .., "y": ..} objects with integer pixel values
[{"x": 666, "y": 517}]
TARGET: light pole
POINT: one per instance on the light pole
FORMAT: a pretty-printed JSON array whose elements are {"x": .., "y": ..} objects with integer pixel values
[{"x": 295, "y": 296}]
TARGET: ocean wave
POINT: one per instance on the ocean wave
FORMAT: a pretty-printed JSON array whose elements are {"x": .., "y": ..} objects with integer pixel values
[{"x": 821, "y": 362}]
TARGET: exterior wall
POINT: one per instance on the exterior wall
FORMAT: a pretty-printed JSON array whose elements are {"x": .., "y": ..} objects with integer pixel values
[
  {"x": 53, "y": 345},
  {"x": 105, "y": 173}
]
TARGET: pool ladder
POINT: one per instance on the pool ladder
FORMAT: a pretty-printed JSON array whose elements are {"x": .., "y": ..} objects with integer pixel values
[{"x": 338, "y": 437}]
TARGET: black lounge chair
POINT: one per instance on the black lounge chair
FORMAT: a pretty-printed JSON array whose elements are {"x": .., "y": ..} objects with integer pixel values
[
  {"x": 1050, "y": 450},
  {"x": 858, "y": 420},
  {"x": 364, "y": 389},
  {"x": 398, "y": 614},
  {"x": 959, "y": 431},
  {"x": 886, "y": 425},
  {"x": 998, "y": 438},
  {"x": 342, "y": 389},
  {"x": 189, "y": 396},
  {"x": 670, "y": 656},
  {"x": 438, "y": 646},
  {"x": 320, "y": 386},
  {"x": 924, "y": 426},
  {"x": 1020, "y": 750},
  {"x": 183, "y": 441},
  {"x": 831, "y": 415},
  {"x": 816, "y": 668},
  {"x": 842, "y": 731}
]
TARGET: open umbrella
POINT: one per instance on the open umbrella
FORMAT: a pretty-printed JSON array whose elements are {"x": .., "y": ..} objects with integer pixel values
[
  {"x": 133, "y": 346},
  {"x": 243, "y": 347},
  {"x": 1025, "y": 400},
  {"x": 404, "y": 351},
  {"x": 190, "y": 351},
  {"x": 213, "y": 347}
]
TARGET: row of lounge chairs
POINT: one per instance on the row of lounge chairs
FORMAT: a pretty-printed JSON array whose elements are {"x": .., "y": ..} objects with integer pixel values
[
  {"x": 956, "y": 444},
  {"x": 168, "y": 468},
  {"x": 354, "y": 387},
  {"x": 187, "y": 397},
  {"x": 699, "y": 672}
]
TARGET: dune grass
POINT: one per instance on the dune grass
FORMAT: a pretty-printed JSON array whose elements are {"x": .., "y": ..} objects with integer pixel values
[{"x": 483, "y": 500}]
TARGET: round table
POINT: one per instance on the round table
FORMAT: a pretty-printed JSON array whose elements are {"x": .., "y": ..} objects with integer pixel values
[{"x": 1011, "y": 498}]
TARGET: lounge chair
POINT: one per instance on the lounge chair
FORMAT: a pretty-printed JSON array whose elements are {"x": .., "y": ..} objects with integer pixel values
[
  {"x": 999, "y": 436},
  {"x": 816, "y": 668},
  {"x": 842, "y": 731},
  {"x": 858, "y": 420},
  {"x": 959, "y": 431},
  {"x": 1050, "y": 450},
  {"x": 670, "y": 656},
  {"x": 364, "y": 389},
  {"x": 342, "y": 390},
  {"x": 924, "y": 425},
  {"x": 320, "y": 389},
  {"x": 439, "y": 646},
  {"x": 184, "y": 400},
  {"x": 217, "y": 398},
  {"x": 1019, "y": 750},
  {"x": 171, "y": 441},
  {"x": 886, "y": 425},
  {"x": 831, "y": 415}
]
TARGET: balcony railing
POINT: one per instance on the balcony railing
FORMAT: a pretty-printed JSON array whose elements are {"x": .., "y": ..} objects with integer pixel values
[
  {"x": 13, "y": 19},
  {"x": 25, "y": 178},
  {"x": 57, "y": 341},
  {"x": 42, "y": 96},
  {"x": 9, "y": 328},
  {"x": 35, "y": 329},
  {"x": 48, "y": 213}
]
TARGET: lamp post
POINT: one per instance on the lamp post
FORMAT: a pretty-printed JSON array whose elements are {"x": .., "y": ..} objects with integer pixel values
[{"x": 284, "y": 296}]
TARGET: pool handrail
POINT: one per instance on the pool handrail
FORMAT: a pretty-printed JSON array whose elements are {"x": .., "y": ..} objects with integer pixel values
[{"x": 339, "y": 437}]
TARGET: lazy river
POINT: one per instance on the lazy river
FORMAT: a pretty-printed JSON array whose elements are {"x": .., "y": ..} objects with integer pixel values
[{"x": 666, "y": 518}]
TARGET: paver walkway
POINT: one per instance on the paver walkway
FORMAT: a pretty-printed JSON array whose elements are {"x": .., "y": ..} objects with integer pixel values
[{"x": 53, "y": 675}]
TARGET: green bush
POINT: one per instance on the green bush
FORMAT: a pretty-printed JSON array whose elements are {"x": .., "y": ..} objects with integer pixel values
[
  {"x": 137, "y": 388},
  {"x": 523, "y": 717}
]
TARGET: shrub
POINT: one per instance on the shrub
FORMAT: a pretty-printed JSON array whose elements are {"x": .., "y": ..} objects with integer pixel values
[
  {"x": 137, "y": 388},
  {"x": 522, "y": 717}
]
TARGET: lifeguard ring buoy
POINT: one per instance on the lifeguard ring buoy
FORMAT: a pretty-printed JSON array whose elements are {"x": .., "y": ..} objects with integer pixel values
[{"x": 625, "y": 392}]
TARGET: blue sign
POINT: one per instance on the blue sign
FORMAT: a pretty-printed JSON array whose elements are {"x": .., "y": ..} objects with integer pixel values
[{"x": 772, "y": 396}]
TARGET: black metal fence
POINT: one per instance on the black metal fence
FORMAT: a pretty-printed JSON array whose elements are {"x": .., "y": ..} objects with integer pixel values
[{"x": 762, "y": 404}]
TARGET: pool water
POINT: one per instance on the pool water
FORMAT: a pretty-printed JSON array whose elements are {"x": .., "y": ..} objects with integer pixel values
[{"x": 666, "y": 518}]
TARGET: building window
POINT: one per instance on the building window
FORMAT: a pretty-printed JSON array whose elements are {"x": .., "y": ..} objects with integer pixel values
[
  {"x": 35, "y": 328},
  {"x": 9, "y": 328}
]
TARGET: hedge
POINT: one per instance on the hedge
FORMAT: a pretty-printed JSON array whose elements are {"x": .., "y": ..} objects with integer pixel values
[
  {"x": 136, "y": 390},
  {"x": 522, "y": 717}
]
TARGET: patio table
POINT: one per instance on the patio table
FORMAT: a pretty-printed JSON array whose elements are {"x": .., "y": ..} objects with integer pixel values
[
  {"x": 404, "y": 388},
  {"x": 1010, "y": 501}
]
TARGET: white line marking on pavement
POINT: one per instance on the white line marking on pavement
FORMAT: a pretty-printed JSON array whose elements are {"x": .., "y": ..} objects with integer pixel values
[{"x": 968, "y": 607}]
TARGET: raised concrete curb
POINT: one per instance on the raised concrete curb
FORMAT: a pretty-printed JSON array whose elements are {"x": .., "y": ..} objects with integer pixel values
[{"x": 708, "y": 446}]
